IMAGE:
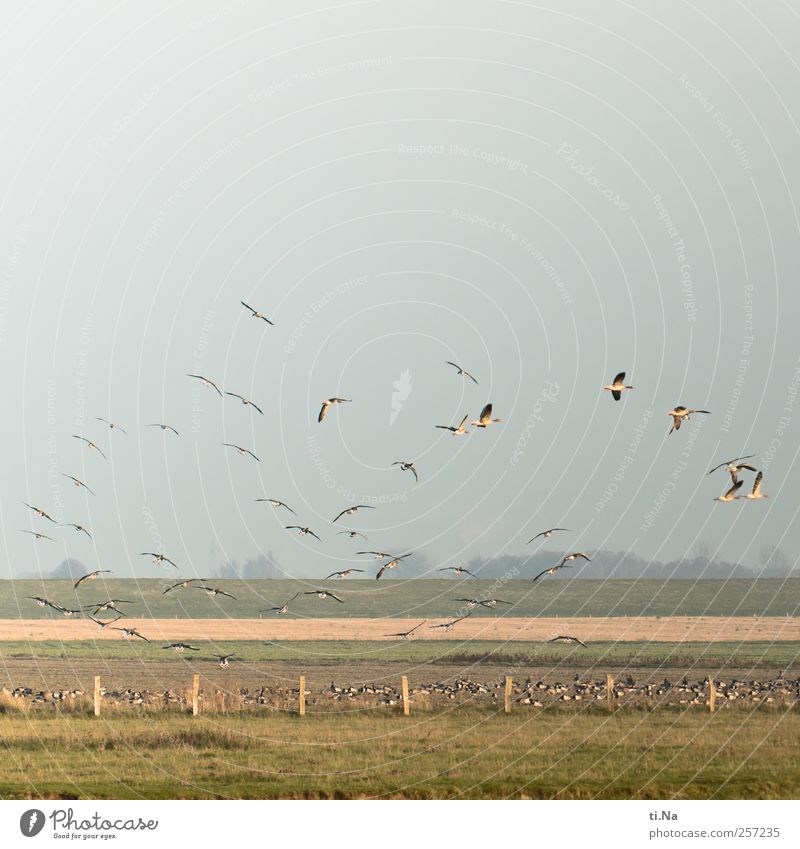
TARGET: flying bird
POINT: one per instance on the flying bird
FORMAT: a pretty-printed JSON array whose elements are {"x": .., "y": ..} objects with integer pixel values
[
  {"x": 181, "y": 647},
  {"x": 130, "y": 633},
  {"x": 158, "y": 559},
  {"x": 547, "y": 534},
  {"x": 485, "y": 418},
  {"x": 617, "y": 387},
  {"x": 38, "y": 535},
  {"x": 90, "y": 444},
  {"x": 734, "y": 467},
  {"x": 566, "y": 639},
  {"x": 284, "y": 608},
  {"x": 564, "y": 564},
  {"x": 77, "y": 482},
  {"x": 182, "y": 584},
  {"x": 111, "y": 425},
  {"x": 164, "y": 427},
  {"x": 79, "y": 528},
  {"x": 275, "y": 503},
  {"x": 457, "y": 570},
  {"x": 215, "y": 591},
  {"x": 756, "y": 492},
  {"x": 730, "y": 495},
  {"x": 448, "y": 625},
  {"x": 343, "y": 574},
  {"x": 461, "y": 371},
  {"x": 405, "y": 635},
  {"x": 324, "y": 594},
  {"x": 301, "y": 531},
  {"x": 246, "y": 401},
  {"x": 323, "y": 410},
  {"x": 111, "y": 604},
  {"x": 241, "y": 450},
  {"x": 405, "y": 466},
  {"x": 681, "y": 413},
  {"x": 491, "y": 603},
  {"x": 378, "y": 555},
  {"x": 41, "y": 513},
  {"x": 456, "y": 431},
  {"x": 350, "y": 510},
  {"x": 224, "y": 659},
  {"x": 44, "y": 602},
  {"x": 351, "y": 534},
  {"x": 392, "y": 564},
  {"x": 256, "y": 313},
  {"x": 206, "y": 382},
  {"x": 90, "y": 576},
  {"x": 103, "y": 625}
]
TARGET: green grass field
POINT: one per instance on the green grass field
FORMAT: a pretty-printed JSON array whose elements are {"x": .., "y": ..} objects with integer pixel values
[
  {"x": 464, "y": 753},
  {"x": 424, "y": 598}
]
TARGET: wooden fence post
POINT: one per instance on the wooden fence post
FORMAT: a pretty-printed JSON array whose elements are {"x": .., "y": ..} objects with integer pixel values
[
  {"x": 196, "y": 695},
  {"x": 302, "y": 695},
  {"x": 610, "y": 688},
  {"x": 97, "y": 695},
  {"x": 712, "y": 694},
  {"x": 507, "y": 703},
  {"x": 406, "y": 705}
]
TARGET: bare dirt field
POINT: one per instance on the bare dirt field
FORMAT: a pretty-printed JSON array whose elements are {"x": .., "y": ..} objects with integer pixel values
[{"x": 673, "y": 629}]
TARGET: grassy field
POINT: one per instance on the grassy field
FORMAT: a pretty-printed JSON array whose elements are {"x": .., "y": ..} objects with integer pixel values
[
  {"x": 423, "y": 598},
  {"x": 740, "y": 655},
  {"x": 465, "y": 753}
]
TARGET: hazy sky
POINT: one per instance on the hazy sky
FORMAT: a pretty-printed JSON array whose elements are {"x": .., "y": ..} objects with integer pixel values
[{"x": 547, "y": 196}]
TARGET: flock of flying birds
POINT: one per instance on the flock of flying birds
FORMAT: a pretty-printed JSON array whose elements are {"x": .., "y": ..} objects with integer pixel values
[{"x": 390, "y": 561}]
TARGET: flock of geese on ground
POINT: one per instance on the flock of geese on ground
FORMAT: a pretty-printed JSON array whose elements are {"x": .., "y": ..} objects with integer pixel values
[{"x": 679, "y": 414}]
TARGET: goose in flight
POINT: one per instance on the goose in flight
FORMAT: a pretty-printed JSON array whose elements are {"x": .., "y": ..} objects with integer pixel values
[
  {"x": 224, "y": 659},
  {"x": 323, "y": 410},
  {"x": 79, "y": 528},
  {"x": 90, "y": 444},
  {"x": 111, "y": 425},
  {"x": 564, "y": 564},
  {"x": 206, "y": 382},
  {"x": 41, "y": 513},
  {"x": 350, "y": 510},
  {"x": 181, "y": 647},
  {"x": 617, "y": 387},
  {"x": 343, "y": 574},
  {"x": 448, "y": 625},
  {"x": 462, "y": 372},
  {"x": 730, "y": 495},
  {"x": 547, "y": 534},
  {"x": 158, "y": 559},
  {"x": 44, "y": 602},
  {"x": 564, "y": 638},
  {"x": 681, "y": 413},
  {"x": 471, "y": 603},
  {"x": 574, "y": 556},
  {"x": 246, "y": 401},
  {"x": 103, "y": 625},
  {"x": 457, "y": 570},
  {"x": 275, "y": 503},
  {"x": 756, "y": 492},
  {"x": 111, "y": 604},
  {"x": 405, "y": 635},
  {"x": 37, "y": 535},
  {"x": 301, "y": 531},
  {"x": 392, "y": 564},
  {"x": 241, "y": 450},
  {"x": 734, "y": 467},
  {"x": 405, "y": 466},
  {"x": 182, "y": 584},
  {"x": 164, "y": 427},
  {"x": 351, "y": 534},
  {"x": 324, "y": 594},
  {"x": 378, "y": 555},
  {"x": 283, "y": 609},
  {"x": 90, "y": 576},
  {"x": 130, "y": 633},
  {"x": 215, "y": 591},
  {"x": 456, "y": 431},
  {"x": 485, "y": 418},
  {"x": 77, "y": 482},
  {"x": 491, "y": 603},
  {"x": 256, "y": 313}
]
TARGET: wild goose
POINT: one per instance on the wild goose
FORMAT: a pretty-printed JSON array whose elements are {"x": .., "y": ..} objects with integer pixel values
[
  {"x": 213, "y": 592},
  {"x": 493, "y": 602},
  {"x": 352, "y": 534},
  {"x": 448, "y": 625},
  {"x": 343, "y": 574},
  {"x": 275, "y": 503},
  {"x": 730, "y": 495},
  {"x": 405, "y": 635},
  {"x": 77, "y": 481},
  {"x": 90, "y": 444},
  {"x": 565, "y": 563},
  {"x": 181, "y": 647},
  {"x": 44, "y": 602},
  {"x": 163, "y": 427},
  {"x": 206, "y": 382},
  {"x": 90, "y": 576},
  {"x": 455, "y": 431},
  {"x": 224, "y": 659},
  {"x": 130, "y": 633},
  {"x": 111, "y": 604},
  {"x": 485, "y": 419},
  {"x": 256, "y": 313},
  {"x": 378, "y": 555},
  {"x": 617, "y": 386},
  {"x": 563, "y": 638},
  {"x": 103, "y": 625},
  {"x": 350, "y": 510},
  {"x": 733, "y": 467},
  {"x": 457, "y": 570},
  {"x": 283, "y": 609},
  {"x": 756, "y": 492},
  {"x": 392, "y": 564},
  {"x": 158, "y": 559},
  {"x": 324, "y": 594},
  {"x": 241, "y": 450},
  {"x": 41, "y": 513},
  {"x": 182, "y": 585},
  {"x": 679, "y": 414},
  {"x": 328, "y": 403},
  {"x": 111, "y": 425},
  {"x": 38, "y": 535},
  {"x": 546, "y": 534},
  {"x": 462, "y": 372},
  {"x": 406, "y": 466},
  {"x": 78, "y": 528},
  {"x": 471, "y": 603},
  {"x": 246, "y": 402}
]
